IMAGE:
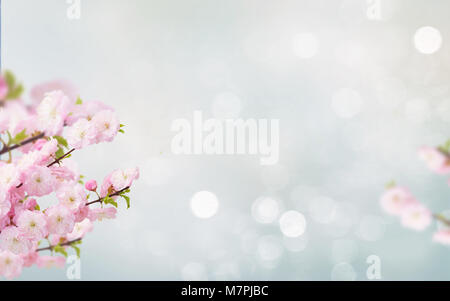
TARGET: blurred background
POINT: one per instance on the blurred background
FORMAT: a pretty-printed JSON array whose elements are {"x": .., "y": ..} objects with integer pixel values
[{"x": 358, "y": 87}]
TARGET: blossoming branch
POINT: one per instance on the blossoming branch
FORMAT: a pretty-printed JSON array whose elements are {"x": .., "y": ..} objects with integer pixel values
[
  {"x": 37, "y": 142},
  {"x": 399, "y": 201}
]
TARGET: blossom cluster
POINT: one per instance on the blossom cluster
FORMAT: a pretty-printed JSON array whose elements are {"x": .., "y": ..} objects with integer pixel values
[
  {"x": 37, "y": 140},
  {"x": 399, "y": 201}
]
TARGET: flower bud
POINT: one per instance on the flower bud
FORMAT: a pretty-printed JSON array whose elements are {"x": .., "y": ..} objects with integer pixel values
[{"x": 91, "y": 185}]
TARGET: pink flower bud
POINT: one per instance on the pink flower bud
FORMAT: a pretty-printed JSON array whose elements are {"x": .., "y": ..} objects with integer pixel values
[
  {"x": 91, "y": 185},
  {"x": 30, "y": 204}
]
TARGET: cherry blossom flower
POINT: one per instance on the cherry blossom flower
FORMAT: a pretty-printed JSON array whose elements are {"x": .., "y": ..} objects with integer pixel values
[
  {"x": 106, "y": 125},
  {"x": 33, "y": 224},
  {"x": 81, "y": 134},
  {"x": 39, "y": 181},
  {"x": 416, "y": 217},
  {"x": 51, "y": 262},
  {"x": 9, "y": 176},
  {"x": 442, "y": 237},
  {"x": 13, "y": 240},
  {"x": 60, "y": 220},
  {"x": 29, "y": 259},
  {"x": 91, "y": 185},
  {"x": 118, "y": 180},
  {"x": 10, "y": 264},
  {"x": 102, "y": 213},
  {"x": 80, "y": 229},
  {"x": 71, "y": 195},
  {"x": 52, "y": 112},
  {"x": 436, "y": 160},
  {"x": 38, "y": 92},
  {"x": 395, "y": 200}
]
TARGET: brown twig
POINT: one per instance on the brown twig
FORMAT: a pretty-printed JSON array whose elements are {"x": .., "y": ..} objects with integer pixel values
[
  {"x": 58, "y": 160},
  {"x": 442, "y": 219},
  {"x": 117, "y": 193},
  {"x": 7, "y": 149},
  {"x": 50, "y": 248}
]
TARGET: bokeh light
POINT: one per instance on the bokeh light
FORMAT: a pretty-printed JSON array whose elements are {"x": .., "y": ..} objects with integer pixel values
[
  {"x": 427, "y": 40},
  {"x": 292, "y": 223},
  {"x": 204, "y": 204}
]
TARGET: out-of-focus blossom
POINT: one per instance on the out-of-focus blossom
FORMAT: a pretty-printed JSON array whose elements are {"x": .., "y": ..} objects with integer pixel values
[
  {"x": 416, "y": 217},
  {"x": 435, "y": 159},
  {"x": 442, "y": 237},
  {"x": 396, "y": 199}
]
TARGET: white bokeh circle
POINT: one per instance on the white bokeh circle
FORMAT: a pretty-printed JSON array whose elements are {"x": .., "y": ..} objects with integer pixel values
[
  {"x": 427, "y": 40},
  {"x": 292, "y": 224},
  {"x": 204, "y": 204}
]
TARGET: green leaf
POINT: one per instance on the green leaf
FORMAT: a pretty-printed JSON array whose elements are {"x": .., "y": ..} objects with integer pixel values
[
  {"x": 20, "y": 137},
  {"x": 37, "y": 207},
  {"x": 122, "y": 125},
  {"x": 109, "y": 200},
  {"x": 16, "y": 92},
  {"x": 79, "y": 101},
  {"x": 77, "y": 250},
  {"x": 59, "y": 153},
  {"x": 391, "y": 184},
  {"x": 10, "y": 79},
  {"x": 60, "y": 249},
  {"x": 61, "y": 141},
  {"x": 121, "y": 131},
  {"x": 127, "y": 199}
]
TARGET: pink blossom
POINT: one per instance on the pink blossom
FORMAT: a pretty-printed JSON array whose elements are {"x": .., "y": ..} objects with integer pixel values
[
  {"x": 29, "y": 259},
  {"x": 106, "y": 125},
  {"x": 80, "y": 230},
  {"x": 118, "y": 180},
  {"x": 3, "y": 88},
  {"x": 10, "y": 264},
  {"x": 39, "y": 181},
  {"x": 71, "y": 195},
  {"x": 5, "y": 204},
  {"x": 9, "y": 176},
  {"x": 60, "y": 220},
  {"x": 30, "y": 204},
  {"x": 50, "y": 261},
  {"x": 38, "y": 92},
  {"x": 442, "y": 237},
  {"x": 81, "y": 134},
  {"x": 435, "y": 160},
  {"x": 86, "y": 110},
  {"x": 91, "y": 185},
  {"x": 39, "y": 144},
  {"x": 416, "y": 217},
  {"x": 395, "y": 200},
  {"x": 33, "y": 224},
  {"x": 81, "y": 213},
  {"x": 102, "y": 213},
  {"x": 52, "y": 112},
  {"x": 11, "y": 239}
]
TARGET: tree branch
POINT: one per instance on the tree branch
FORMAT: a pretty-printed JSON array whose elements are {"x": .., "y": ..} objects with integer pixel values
[
  {"x": 58, "y": 160},
  {"x": 100, "y": 200},
  {"x": 442, "y": 219},
  {"x": 50, "y": 248},
  {"x": 7, "y": 149}
]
